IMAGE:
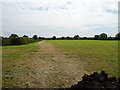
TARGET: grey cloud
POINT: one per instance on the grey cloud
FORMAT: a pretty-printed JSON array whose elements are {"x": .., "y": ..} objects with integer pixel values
[
  {"x": 47, "y": 8},
  {"x": 68, "y": 2},
  {"x": 110, "y": 7},
  {"x": 111, "y": 11},
  {"x": 39, "y": 8},
  {"x": 100, "y": 25},
  {"x": 27, "y": 6},
  {"x": 106, "y": 28},
  {"x": 93, "y": 25},
  {"x": 102, "y": 28}
]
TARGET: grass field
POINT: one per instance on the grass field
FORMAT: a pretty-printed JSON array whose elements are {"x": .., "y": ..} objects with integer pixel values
[
  {"x": 98, "y": 54},
  {"x": 13, "y": 62},
  {"x": 31, "y": 63}
]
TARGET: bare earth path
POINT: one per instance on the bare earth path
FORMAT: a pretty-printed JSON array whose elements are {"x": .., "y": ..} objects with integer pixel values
[{"x": 52, "y": 69}]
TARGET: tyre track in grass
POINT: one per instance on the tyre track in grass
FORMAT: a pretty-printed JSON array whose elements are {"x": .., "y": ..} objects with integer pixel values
[{"x": 53, "y": 69}]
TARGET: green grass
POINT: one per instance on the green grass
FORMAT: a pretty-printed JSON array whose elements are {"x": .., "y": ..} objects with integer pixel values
[
  {"x": 11, "y": 56},
  {"x": 18, "y": 52},
  {"x": 98, "y": 54}
]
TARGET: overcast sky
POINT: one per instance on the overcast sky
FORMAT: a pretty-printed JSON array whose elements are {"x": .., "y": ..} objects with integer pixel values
[{"x": 59, "y": 17}]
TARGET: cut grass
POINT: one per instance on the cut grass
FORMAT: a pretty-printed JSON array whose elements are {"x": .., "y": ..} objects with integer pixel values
[
  {"x": 98, "y": 54},
  {"x": 20, "y": 62},
  {"x": 11, "y": 56}
]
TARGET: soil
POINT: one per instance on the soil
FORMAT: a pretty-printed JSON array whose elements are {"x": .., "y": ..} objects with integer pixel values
[{"x": 97, "y": 81}]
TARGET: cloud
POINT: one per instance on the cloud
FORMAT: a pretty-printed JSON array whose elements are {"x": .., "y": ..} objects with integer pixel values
[
  {"x": 43, "y": 6},
  {"x": 60, "y": 17},
  {"x": 111, "y": 11},
  {"x": 39, "y": 8}
]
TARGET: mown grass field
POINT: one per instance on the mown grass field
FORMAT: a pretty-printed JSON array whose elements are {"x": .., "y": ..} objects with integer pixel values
[
  {"x": 18, "y": 61},
  {"x": 12, "y": 58},
  {"x": 98, "y": 54}
]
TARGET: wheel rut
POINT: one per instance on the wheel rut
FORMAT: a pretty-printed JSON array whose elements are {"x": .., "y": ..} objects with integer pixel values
[{"x": 51, "y": 68}]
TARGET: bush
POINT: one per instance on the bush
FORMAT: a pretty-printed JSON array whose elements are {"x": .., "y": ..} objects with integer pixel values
[
  {"x": 16, "y": 40},
  {"x": 5, "y": 41},
  {"x": 25, "y": 40}
]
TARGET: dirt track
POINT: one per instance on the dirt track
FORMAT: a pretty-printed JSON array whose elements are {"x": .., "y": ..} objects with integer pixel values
[{"x": 52, "y": 69}]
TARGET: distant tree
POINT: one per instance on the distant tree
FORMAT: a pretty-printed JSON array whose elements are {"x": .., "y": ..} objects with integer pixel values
[
  {"x": 110, "y": 38},
  {"x": 118, "y": 35},
  {"x": 62, "y": 38},
  {"x": 103, "y": 36},
  {"x": 96, "y": 37},
  {"x": 13, "y": 36},
  {"x": 54, "y": 37},
  {"x": 68, "y": 38},
  {"x": 35, "y": 37},
  {"x": 14, "y": 39},
  {"x": 25, "y": 36},
  {"x": 25, "y": 40},
  {"x": 1, "y": 38},
  {"x": 76, "y": 37},
  {"x": 5, "y": 41},
  {"x": 41, "y": 38},
  {"x": 85, "y": 38}
]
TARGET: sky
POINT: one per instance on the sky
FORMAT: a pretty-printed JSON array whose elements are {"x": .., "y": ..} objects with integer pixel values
[{"x": 47, "y": 18}]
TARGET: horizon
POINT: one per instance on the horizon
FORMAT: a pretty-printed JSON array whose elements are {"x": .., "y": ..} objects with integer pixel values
[{"x": 57, "y": 36}]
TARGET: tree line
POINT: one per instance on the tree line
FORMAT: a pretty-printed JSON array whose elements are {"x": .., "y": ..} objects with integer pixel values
[
  {"x": 14, "y": 39},
  {"x": 102, "y": 36}
]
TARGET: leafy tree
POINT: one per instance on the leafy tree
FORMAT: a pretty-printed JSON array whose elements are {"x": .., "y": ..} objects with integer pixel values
[
  {"x": 41, "y": 38},
  {"x": 35, "y": 37},
  {"x": 118, "y": 35},
  {"x": 25, "y": 40},
  {"x": 68, "y": 38},
  {"x": 25, "y": 36},
  {"x": 96, "y": 37},
  {"x": 5, "y": 41},
  {"x": 15, "y": 41},
  {"x": 1, "y": 38},
  {"x": 103, "y": 36},
  {"x": 54, "y": 37},
  {"x": 85, "y": 38},
  {"x": 62, "y": 38},
  {"x": 110, "y": 38},
  {"x": 13, "y": 36},
  {"x": 76, "y": 37}
]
